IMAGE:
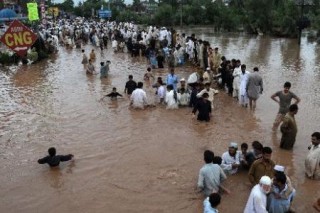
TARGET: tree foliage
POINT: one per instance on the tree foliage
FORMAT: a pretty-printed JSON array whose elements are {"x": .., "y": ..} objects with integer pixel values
[
  {"x": 67, "y": 6},
  {"x": 277, "y": 17}
]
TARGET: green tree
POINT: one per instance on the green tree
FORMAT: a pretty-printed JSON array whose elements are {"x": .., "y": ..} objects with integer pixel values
[
  {"x": 259, "y": 15},
  {"x": 127, "y": 15},
  {"x": 164, "y": 15},
  {"x": 284, "y": 18},
  {"x": 137, "y": 6},
  {"x": 78, "y": 10},
  {"x": 118, "y": 4},
  {"x": 67, "y": 5}
]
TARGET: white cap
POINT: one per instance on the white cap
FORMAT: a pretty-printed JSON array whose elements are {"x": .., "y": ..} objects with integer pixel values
[
  {"x": 208, "y": 68},
  {"x": 265, "y": 180},
  {"x": 182, "y": 79},
  {"x": 279, "y": 168},
  {"x": 233, "y": 145}
]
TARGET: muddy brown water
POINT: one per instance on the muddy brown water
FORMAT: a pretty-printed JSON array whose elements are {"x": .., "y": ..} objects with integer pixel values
[{"x": 143, "y": 161}]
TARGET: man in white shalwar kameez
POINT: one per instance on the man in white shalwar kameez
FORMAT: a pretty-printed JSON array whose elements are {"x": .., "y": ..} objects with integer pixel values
[
  {"x": 257, "y": 202},
  {"x": 169, "y": 38},
  {"x": 138, "y": 97},
  {"x": 207, "y": 76},
  {"x": 161, "y": 93},
  {"x": 96, "y": 40},
  {"x": 243, "y": 96},
  {"x": 183, "y": 97},
  {"x": 114, "y": 45},
  {"x": 55, "y": 41},
  {"x": 236, "y": 80},
  {"x": 211, "y": 92},
  {"x": 163, "y": 34},
  {"x": 312, "y": 162},
  {"x": 176, "y": 56},
  {"x": 231, "y": 159},
  {"x": 171, "y": 98},
  {"x": 189, "y": 48}
]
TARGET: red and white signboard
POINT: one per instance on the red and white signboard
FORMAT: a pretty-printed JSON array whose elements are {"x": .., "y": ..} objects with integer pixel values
[{"x": 18, "y": 37}]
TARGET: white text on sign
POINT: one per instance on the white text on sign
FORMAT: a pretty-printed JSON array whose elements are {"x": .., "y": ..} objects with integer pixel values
[{"x": 16, "y": 29}]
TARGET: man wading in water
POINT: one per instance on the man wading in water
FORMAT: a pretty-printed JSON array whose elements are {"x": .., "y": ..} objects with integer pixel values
[
  {"x": 54, "y": 160},
  {"x": 284, "y": 101},
  {"x": 289, "y": 128},
  {"x": 203, "y": 106}
]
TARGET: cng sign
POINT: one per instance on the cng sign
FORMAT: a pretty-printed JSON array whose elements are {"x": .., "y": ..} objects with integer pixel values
[{"x": 18, "y": 38}]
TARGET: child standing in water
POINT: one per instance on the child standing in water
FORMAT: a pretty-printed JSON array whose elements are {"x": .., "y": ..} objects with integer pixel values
[
  {"x": 148, "y": 75},
  {"x": 114, "y": 94}
]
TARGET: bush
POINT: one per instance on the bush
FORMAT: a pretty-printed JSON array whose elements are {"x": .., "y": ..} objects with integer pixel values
[
  {"x": 42, "y": 55},
  {"x": 33, "y": 56},
  {"x": 6, "y": 58}
]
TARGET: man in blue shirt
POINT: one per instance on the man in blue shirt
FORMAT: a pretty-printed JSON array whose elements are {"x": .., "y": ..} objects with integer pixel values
[
  {"x": 278, "y": 201},
  {"x": 210, "y": 203},
  {"x": 172, "y": 79},
  {"x": 210, "y": 176}
]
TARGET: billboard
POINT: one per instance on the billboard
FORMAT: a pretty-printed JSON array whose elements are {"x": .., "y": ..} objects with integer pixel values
[
  {"x": 104, "y": 13},
  {"x": 53, "y": 11}
]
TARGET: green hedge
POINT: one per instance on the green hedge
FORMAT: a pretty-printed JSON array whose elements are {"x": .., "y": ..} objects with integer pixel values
[{"x": 6, "y": 59}]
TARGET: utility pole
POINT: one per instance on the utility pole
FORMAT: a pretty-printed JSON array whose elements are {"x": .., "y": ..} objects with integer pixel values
[
  {"x": 82, "y": 9},
  {"x": 180, "y": 13},
  {"x": 301, "y": 17},
  {"x": 172, "y": 21}
]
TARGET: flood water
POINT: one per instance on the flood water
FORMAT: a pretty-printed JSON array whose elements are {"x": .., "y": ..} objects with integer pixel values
[{"x": 143, "y": 161}]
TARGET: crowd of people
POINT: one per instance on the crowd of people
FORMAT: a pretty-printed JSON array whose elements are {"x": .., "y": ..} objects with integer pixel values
[{"x": 272, "y": 189}]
